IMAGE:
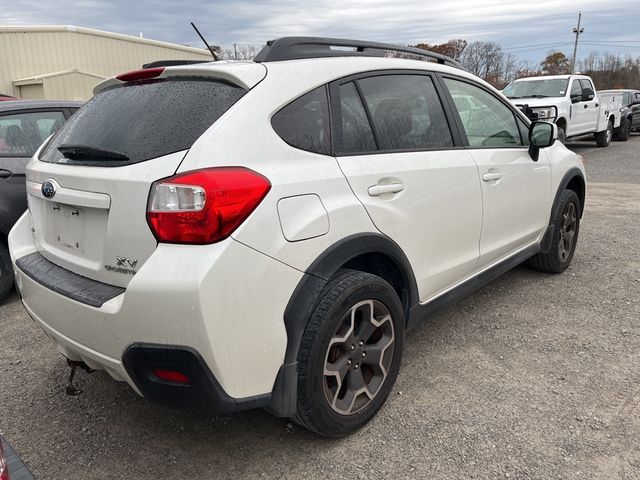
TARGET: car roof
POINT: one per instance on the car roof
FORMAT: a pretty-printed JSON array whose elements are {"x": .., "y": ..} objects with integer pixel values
[
  {"x": 552, "y": 77},
  {"x": 11, "y": 105}
]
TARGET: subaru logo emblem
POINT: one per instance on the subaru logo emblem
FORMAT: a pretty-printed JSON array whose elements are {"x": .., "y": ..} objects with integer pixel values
[{"x": 48, "y": 189}]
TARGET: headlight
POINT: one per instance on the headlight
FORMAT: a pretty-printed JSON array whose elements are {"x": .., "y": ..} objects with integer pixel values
[{"x": 544, "y": 113}]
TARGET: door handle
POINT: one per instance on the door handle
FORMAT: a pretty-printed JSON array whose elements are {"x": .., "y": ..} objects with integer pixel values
[
  {"x": 487, "y": 177},
  {"x": 586, "y": 106},
  {"x": 5, "y": 173},
  {"x": 597, "y": 105},
  {"x": 377, "y": 190}
]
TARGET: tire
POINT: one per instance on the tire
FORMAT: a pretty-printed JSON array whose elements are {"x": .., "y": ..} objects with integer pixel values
[
  {"x": 6, "y": 272},
  {"x": 560, "y": 255},
  {"x": 603, "y": 139},
  {"x": 624, "y": 132},
  {"x": 337, "y": 341},
  {"x": 562, "y": 136}
]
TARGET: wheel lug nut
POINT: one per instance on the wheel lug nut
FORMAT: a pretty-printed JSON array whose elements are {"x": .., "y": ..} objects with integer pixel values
[
  {"x": 353, "y": 347},
  {"x": 357, "y": 366},
  {"x": 364, "y": 354},
  {"x": 349, "y": 362},
  {"x": 361, "y": 343}
]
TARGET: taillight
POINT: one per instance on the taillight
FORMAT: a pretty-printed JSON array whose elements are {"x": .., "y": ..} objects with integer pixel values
[
  {"x": 4, "y": 469},
  {"x": 143, "y": 74},
  {"x": 204, "y": 206}
]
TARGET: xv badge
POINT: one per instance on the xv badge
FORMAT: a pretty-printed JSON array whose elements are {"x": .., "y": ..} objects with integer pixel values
[{"x": 124, "y": 262}]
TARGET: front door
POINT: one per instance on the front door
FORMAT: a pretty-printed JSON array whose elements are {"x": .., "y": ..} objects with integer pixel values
[
  {"x": 516, "y": 191},
  {"x": 21, "y": 133}
]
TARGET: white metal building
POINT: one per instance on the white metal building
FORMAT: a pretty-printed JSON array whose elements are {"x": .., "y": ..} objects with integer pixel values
[{"x": 66, "y": 62}]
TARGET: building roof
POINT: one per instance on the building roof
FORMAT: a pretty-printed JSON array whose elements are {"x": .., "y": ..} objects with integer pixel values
[
  {"x": 28, "y": 104},
  {"x": 42, "y": 76},
  {"x": 98, "y": 33}
]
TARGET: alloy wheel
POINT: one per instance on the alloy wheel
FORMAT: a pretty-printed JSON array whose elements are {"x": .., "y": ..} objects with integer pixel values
[
  {"x": 567, "y": 232},
  {"x": 359, "y": 357}
]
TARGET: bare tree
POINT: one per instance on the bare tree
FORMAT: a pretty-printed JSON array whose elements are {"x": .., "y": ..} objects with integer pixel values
[
  {"x": 484, "y": 59},
  {"x": 240, "y": 52}
]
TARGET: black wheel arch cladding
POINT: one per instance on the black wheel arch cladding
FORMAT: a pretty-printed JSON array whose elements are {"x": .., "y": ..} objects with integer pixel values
[{"x": 307, "y": 295}]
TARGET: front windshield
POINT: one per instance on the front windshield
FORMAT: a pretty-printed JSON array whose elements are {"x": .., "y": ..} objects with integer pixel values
[{"x": 551, "y": 87}]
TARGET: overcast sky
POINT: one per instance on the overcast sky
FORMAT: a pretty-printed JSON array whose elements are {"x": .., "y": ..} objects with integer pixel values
[{"x": 526, "y": 28}]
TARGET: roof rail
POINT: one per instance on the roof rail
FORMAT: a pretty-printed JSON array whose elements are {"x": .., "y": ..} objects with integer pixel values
[
  {"x": 296, "y": 48},
  {"x": 172, "y": 63}
]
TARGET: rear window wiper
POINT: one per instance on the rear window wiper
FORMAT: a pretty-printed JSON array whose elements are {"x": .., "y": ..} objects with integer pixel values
[{"x": 86, "y": 152}]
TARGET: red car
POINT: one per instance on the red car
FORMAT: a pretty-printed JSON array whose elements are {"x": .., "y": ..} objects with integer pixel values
[{"x": 6, "y": 97}]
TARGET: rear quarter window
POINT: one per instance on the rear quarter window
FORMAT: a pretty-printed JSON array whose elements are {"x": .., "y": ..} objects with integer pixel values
[
  {"x": 304, "y": 123},
  {"x": 145, "y": 120}
]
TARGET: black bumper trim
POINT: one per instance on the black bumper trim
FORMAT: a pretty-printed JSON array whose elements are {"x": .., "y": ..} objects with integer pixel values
[
  {"x": 65, "y": 282},
  {"x": 203, "y": 394}
]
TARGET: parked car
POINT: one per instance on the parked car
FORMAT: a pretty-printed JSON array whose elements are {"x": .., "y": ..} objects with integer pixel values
[
  {"x": 6, "y": 98},
  {"x": 629, "y": 113},
  {"x": 569, "y": 101},
  {"x": 24, "y": 125},
  {"x": 265, "y": 238}
]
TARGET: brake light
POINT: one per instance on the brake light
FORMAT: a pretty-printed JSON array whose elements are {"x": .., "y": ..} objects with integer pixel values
[
  {"x": 4, "y": 469},
  {"x": 171, "y": 376},
  {"x": 143, "y": 74},
  {"x": 204, "y": 206}
]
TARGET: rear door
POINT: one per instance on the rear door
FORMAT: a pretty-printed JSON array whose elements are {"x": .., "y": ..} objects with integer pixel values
[
  {"x": 21, "y": 133},
  {"x": 404, "y": 163},
  {"x": 88, "y": 189},
  {"x": 516, "y": 191}
]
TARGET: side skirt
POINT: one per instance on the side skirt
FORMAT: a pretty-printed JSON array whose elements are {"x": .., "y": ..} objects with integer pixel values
[{"x": 420, "y": 311}]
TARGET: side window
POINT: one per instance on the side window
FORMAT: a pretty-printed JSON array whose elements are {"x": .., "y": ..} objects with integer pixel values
[
  {"x": 304, "y": 123},
  {"x": 357, "y": 135},
  {"x": 524, "y": 131},
  {"x": 406, "y": 112},
  {"x": 489, "y": 122},
  {"x": 584, "y": 83},
  {"x": 22, "y": 133},
  {"x": 576, "y": 89}
]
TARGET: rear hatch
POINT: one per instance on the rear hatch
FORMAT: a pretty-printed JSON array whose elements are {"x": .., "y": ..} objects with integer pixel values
[{"x": 89, "y": 186}]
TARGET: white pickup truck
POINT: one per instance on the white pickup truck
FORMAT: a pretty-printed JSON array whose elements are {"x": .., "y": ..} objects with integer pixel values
[{"x": 569, "y": 101}]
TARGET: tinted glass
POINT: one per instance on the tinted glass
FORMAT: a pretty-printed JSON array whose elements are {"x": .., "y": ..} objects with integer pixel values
[
  {"x": 586, "y": 84},
  {"x": 22, "y": 133},
  {"x": 357, "y": 135},
  {"x": 304, "y": 123},
  {"x": 576, "y": 89},
  {"x": 144, "y": 120},
  {"x": 489, "y": 122},
  {"x": 406, "y": 112}
]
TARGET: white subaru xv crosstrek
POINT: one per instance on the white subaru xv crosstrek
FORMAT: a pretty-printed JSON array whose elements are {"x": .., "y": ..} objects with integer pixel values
[{"x": 232, "y": 235}]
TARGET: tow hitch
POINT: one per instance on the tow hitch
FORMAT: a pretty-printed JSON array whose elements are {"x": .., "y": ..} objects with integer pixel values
[{"x": 71, "y": 389}]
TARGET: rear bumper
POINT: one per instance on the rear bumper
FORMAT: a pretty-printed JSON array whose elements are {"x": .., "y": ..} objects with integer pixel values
[{"x": 218, "y": 302}]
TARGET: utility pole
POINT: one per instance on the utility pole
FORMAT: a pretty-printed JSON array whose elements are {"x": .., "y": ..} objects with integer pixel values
[
  {"x": 235, "y": 51},
  {"x": 577, "y": 30}
]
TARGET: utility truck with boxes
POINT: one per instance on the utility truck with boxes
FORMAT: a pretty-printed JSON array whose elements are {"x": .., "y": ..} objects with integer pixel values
[{"x": 569, "y": 101}]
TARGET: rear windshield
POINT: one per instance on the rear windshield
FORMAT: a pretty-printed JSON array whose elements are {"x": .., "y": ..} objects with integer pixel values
[{"x": 141, "y": 121}]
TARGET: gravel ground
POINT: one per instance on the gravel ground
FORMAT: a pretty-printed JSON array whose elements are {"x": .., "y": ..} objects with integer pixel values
[{"x": 534, "y": 376}]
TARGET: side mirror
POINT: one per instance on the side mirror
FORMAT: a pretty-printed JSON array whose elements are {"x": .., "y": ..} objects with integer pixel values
[
  {"x": 587, "y": 94},
  {"x": 541, "y": 135},
  {"x": 576, "y": 98}
]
